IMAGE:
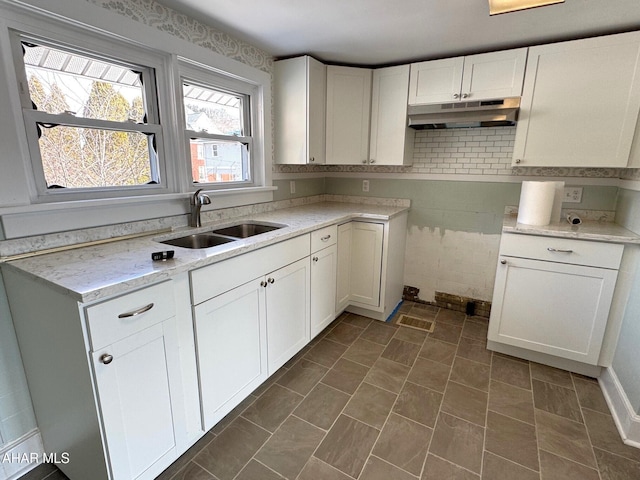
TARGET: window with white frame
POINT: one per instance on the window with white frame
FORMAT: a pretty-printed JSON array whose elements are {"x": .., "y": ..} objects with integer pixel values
[
  {"x": 91, "y": 119},
  {"x": 218, "y": 126}
]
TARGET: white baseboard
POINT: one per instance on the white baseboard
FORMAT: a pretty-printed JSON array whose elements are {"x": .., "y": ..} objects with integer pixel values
[{"x": 626, "y": 419}]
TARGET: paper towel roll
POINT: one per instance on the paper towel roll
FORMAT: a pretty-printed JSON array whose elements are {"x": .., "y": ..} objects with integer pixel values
[
  {"x": 556, "y": 210},
  {"x": 536, "y": 202}
]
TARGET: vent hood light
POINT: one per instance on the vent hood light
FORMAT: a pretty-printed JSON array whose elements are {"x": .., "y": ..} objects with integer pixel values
[{"x": 505, "y": 6}]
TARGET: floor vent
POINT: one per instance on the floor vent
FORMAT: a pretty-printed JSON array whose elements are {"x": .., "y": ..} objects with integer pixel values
[{"x": 417, "y": 323}]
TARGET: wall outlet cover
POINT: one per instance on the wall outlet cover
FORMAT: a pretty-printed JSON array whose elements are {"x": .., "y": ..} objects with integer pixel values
[
  {"x": 365, "y": 185},
  {"x": 572, "y": 195},
  {"x": 292, "y": 186}
]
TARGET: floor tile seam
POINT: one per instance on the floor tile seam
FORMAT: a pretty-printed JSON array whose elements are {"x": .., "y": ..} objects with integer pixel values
[
  {"x": 539, "y": 472},
  {"x": 379, "y": 429},
  {"x": 512, "y": 417},
  {"x": 194, "y": 455},
  {"x": 556, "y": 385},
  {"x": 257, "y": 425},
  {"x": 557, "y": 454},
  {"x": 328, "y": 465},
  {"x": 396, "y": 466},
  {"x": 355, "y": 361},
  {"x": 452, "y": 463},
  {"x": 468, "y": 359},
  {"x": 231, "y": 421},
  {"x": 428, "y": 388},
  {"x": 550, "y": 382},
  {"x": 313, "y": 361},
  {"x": 303, "y": 395},
  {"x": 460, "y": 418},
  {"x": 595, "y": 411},
  {"x": 530, "y": 390},
  {"x": 307, "y": 422},
  {"x": 473, "y": 388},
  {"x": 435, "y": 361},
  {"x": 559, "y": 416},
  {"x": 440, "y": 340},
  {"x": 617, "y": 455},
  {"x": 605, "y": 449},
  {"x": 261, "y": 463},
  {"x": 413, "y": 421}
]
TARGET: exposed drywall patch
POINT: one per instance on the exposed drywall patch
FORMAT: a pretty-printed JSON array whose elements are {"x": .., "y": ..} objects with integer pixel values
[{"x": 456, "y": 262}]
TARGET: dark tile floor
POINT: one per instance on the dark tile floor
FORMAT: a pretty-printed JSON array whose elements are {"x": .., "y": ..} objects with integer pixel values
[{"x": 372, "y": 401}]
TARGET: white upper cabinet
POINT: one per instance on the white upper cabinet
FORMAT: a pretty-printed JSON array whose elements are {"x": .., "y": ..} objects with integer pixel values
[
  {"x": 348, "y": 114},
  {"x": 475, "y": 77},
  {"x": 300, "y": 90},
  {"x": 391, "y": 139},
  {"x": 580, "y": 103}
]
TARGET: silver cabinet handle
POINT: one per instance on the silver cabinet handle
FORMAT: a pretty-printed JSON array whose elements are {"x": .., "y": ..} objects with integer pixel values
[
  {"x": 456, "y": 95},
  {"x": 139, "y": 311},
  {"x": 372, "y": 161},
  {"x": 325, "y": 238},
  {"x": 466, "y": 95},
  {"x": 560, "y": 250},
  {"x": 271, "y": 280},
  {"x": 503, "y": 262},
  {"x": 312, "y": 159},
  {"x": 364, "y": 161},
  {"x": 315, "y": 259},
  {"x": 518, "y": 160},
  {"x": 263, "y": 284},
  {"x": 106, "y": 358}
]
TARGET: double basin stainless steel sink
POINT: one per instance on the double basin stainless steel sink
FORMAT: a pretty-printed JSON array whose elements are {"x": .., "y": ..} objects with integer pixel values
[{"x": 224, "y": 235}]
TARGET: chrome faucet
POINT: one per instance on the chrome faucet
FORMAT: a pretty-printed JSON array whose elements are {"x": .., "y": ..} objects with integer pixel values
[{"x": 197, "y": 201}]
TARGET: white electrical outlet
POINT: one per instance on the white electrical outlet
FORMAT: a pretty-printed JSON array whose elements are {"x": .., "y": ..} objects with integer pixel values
[
  {"x": 292, "y": 186},
  {"x": 365, "y": 185},
  {"x": 572, "y": 195}
]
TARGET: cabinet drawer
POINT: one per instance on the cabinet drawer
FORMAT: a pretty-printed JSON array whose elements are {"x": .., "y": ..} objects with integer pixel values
[
  {"x": 212, "y": 280},
  {"x": 120, "y": 317},
  {"x": 562, "y": 250},
  {"x": 324, "y": 237}
]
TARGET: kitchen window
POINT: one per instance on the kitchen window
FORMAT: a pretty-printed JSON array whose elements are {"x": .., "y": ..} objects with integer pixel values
[
  {"x": 91, "y": 120},
  {"x": 218, "y": 129}
]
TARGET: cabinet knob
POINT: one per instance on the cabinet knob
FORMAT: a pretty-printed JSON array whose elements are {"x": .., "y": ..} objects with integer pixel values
[
  {"x": 372, "y": 161},
  {"x": 466, "y": 95},
  {"x": 364, "y": 161},
  {"x": 271, "y": 280},
  {"x": 312, "y": 159},
  {"x": 503, "y": 262},
  {"x": 263, "y": 283},
  {"x": 106, "y": 358},
  {"x": 315, "y": 259},
  {"x": 456, "y": 95},
  {"x": 518, "y": 160}
]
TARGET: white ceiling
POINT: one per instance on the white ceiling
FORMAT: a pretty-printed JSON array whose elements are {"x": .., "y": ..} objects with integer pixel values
[{"x": 379, "y": 32}]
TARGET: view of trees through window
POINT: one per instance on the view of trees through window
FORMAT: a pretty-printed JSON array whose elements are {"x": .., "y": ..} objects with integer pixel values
[{"x": 86, "y": 155}]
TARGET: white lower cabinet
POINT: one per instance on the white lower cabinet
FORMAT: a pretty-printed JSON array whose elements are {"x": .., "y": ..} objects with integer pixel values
[
  {"x": 343, "y": 282},
  {"x": 288, "y": 291},
  {"x": 251, "y": 315},
  {"x": 231, "y": 333},
  {"x": 112, "y": 393},
  {"x": 135, "y": 378},
  {"x": 553, "y": 295},
  {"x": 324, "y": 262}
]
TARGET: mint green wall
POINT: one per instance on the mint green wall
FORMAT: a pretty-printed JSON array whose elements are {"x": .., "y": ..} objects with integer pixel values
[
  {"x": 460, "y": 206},
  {"x": 305, "y": 187}
]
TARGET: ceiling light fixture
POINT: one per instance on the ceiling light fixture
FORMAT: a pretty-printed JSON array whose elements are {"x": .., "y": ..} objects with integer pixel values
[{"x": 505, "y": 6}]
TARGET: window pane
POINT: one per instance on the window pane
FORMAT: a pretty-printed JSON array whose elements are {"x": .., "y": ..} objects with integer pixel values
[
  {"x": 85, "y": 157},
  {"x": 60, "y": 81},
  {"x": 215, "y": 161},
  {"x": 212, "y": 111}
]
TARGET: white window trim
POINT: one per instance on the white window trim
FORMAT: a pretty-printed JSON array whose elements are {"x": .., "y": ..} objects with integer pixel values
[
  {"x": 191, "y": 70},
  {"x": 21, "y": 214}
]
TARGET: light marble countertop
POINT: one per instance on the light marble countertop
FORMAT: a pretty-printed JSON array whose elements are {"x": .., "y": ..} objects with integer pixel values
[
  {"x": 95, "y": 272},
  {"x": 588, "y": 230}
]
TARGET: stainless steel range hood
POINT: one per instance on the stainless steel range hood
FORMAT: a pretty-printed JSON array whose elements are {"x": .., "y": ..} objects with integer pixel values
[{"x": 482, "y": 113}]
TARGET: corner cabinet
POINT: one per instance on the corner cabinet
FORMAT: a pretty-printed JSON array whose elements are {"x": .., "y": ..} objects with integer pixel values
[
  {"x": 553, "y": 295},
  {"x": 114, "y": 392},
  {"x": 476, "y": 77},
  {"x": 371, "y": 266},
  {"x": 348, "y": 115},
  {"x": 300, "y": 92},
  {"x": 580, "y": 103}
]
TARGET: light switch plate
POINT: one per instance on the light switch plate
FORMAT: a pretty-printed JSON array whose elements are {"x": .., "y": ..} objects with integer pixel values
[
  {"x": 572, "y": 195},
  {"x": 292, "y": 186}
]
